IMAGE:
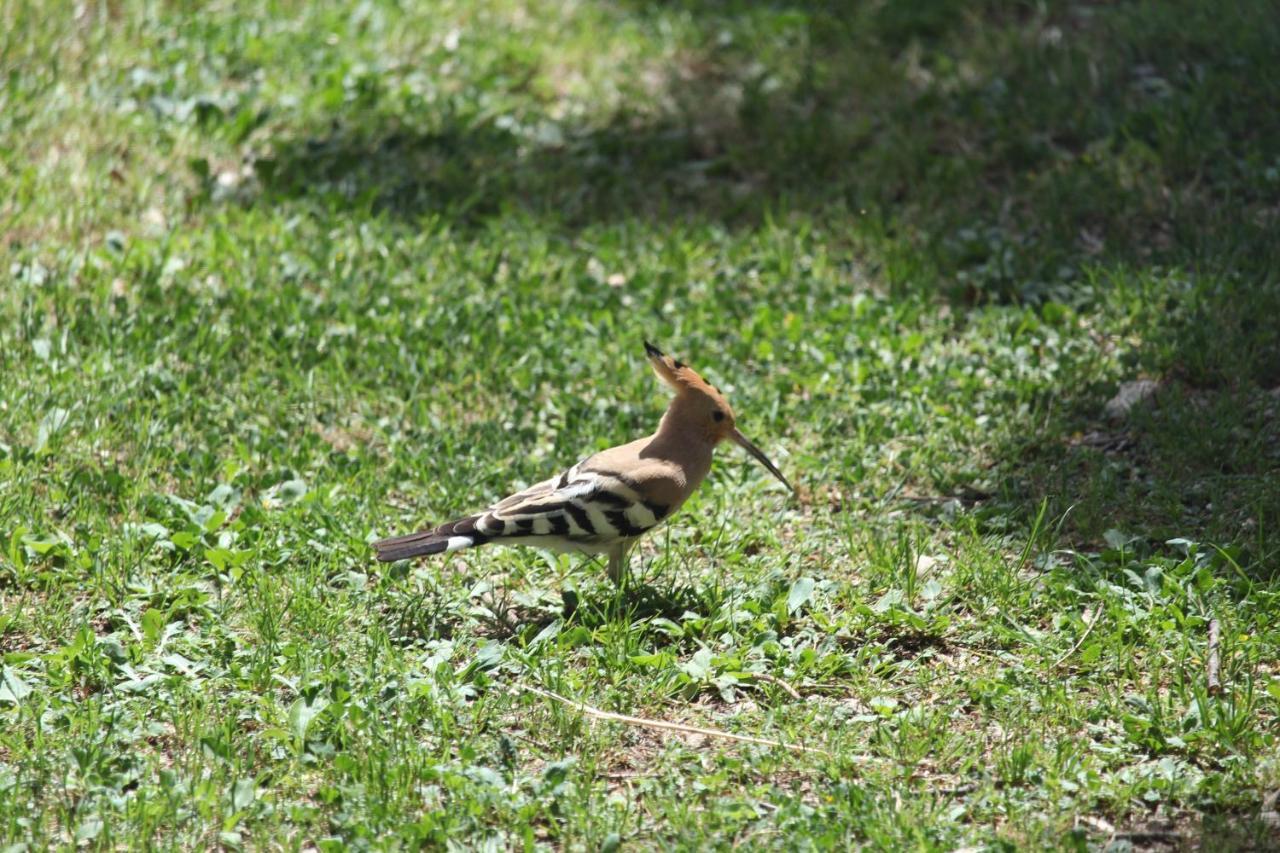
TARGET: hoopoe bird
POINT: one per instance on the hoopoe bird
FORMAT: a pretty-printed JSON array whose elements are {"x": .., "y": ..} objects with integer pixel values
[{"x": 609, "y": 500}]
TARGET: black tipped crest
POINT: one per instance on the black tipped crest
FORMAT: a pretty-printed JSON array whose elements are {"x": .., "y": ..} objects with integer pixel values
[{"x": 681, "y": 377}]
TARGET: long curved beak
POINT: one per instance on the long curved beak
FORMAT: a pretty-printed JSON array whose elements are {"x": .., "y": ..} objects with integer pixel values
[{"x": 756, "y": 452}]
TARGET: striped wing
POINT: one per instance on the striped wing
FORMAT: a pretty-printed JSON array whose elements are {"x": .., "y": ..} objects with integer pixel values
[
  {"x": 582, "y": 509},
  {"x": 581, "y": 506}
]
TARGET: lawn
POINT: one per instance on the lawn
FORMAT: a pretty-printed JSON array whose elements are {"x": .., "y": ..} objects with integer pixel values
[{"x": 281, "y": 278}]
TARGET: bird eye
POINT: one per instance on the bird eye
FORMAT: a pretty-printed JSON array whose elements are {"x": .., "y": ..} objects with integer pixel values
[{"x": 718, "y": 415}]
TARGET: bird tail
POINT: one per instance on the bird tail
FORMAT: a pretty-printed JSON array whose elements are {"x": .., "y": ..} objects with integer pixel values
[{"x": 453, "y": 536}]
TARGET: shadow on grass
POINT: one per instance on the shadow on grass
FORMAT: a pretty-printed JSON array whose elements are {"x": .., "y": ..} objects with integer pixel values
[
  {"x": 637, "y": 602},
  {"x": 1011, "y": 146},
  {"x": 503, "y": 615},
  {"x": 1200, "y": 463}
]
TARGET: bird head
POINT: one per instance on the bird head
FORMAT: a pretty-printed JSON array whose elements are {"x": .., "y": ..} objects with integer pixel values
[{"x": 701, "y": 408}]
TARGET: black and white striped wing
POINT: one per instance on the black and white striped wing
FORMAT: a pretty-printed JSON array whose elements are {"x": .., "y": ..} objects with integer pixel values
[
  {"x": 582, "y": 509},
  {"x": 591, "y": 509}
]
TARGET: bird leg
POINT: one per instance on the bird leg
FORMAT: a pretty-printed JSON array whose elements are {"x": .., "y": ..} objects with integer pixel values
[{"x": 618, "y": 564}]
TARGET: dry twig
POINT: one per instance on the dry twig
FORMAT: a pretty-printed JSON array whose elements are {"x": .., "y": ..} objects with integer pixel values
[
  {"x": 1213, "y": 685},
  {"x": 644, "y": 722},
  {"x": 1087, "y": 628},
  {"x": 778, "y": 682}
]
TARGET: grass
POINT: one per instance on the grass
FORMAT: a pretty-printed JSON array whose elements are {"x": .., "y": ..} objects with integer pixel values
[{"x": 282, "y": 278}]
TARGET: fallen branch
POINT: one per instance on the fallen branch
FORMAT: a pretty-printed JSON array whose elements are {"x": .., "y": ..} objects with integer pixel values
[
  {"x": 778, "y": 682},
  {"x": 627, "y": 775},
  {"x": 644, "y": 722},
  {"x": 1087, "y": 628},
  {"x": 1213, "y": 685}
]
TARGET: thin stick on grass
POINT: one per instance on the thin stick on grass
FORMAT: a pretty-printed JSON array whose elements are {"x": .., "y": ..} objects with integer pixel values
[
  {"x": 779, "y": 683},
  {"x": 1087, "y": 628},
  {"x": 663, "y": 725},
  {"x": 1212, "y": 684}
]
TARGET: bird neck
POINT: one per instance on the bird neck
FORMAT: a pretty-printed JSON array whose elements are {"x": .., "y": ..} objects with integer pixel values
[{"x": 681, "y": 438}]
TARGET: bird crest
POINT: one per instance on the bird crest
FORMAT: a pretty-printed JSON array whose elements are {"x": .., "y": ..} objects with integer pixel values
[{"x": 681, "y": 377}]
